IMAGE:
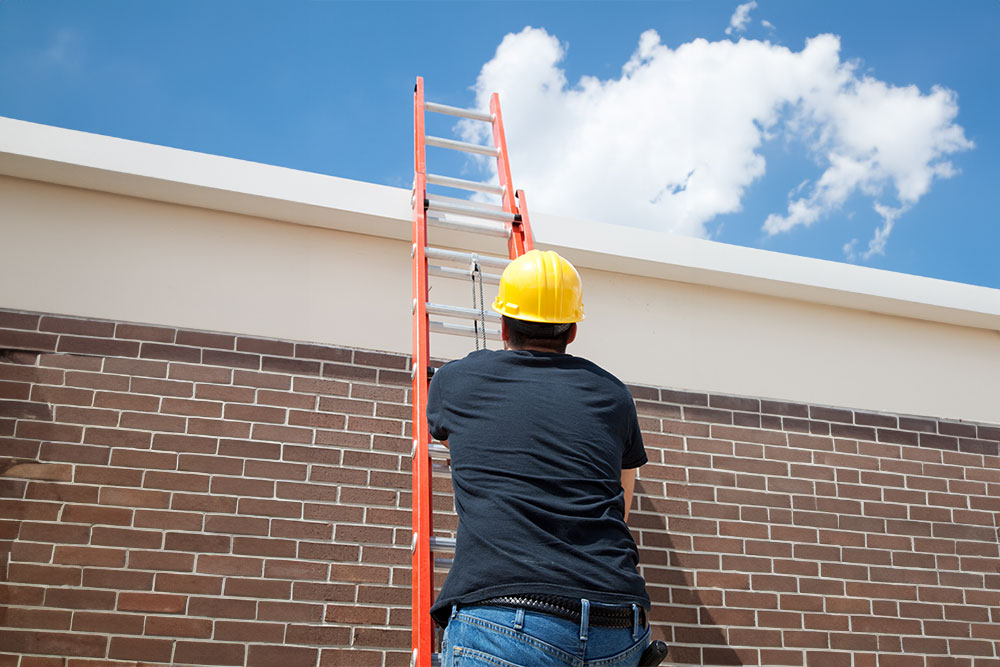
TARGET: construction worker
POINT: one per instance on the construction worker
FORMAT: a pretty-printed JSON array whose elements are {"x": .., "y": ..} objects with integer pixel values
[{"x": 544, "y": 450}]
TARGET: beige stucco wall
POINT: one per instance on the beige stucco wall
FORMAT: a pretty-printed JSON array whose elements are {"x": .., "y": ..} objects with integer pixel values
[{"x": 95, "y": 254}]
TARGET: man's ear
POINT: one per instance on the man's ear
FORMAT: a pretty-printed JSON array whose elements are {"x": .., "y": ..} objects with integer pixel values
[
  {"x": 572, "y": 334},
  {"x": 504, "y": 332}
]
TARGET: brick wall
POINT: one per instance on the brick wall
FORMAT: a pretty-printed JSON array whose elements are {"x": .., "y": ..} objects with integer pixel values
[{"x": 173, "y": 496}]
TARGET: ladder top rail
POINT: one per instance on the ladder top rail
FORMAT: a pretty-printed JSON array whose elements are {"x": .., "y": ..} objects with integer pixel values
[
  {"x": 454, "y": 145},
  {"x": 457, "y": 111},
  {"x": 471, "y": 211},
  {"x": 485, "y": 227}
]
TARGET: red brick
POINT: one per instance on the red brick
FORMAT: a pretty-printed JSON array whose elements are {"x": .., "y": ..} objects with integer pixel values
[
  {"x": 197, "y": 502},
  {"x": 117, "y": 579},
  {"x": 175, "y": 481},
  {"x": 161, "y": 560},
  {"x": 136, "y": 368},
  {"x": 222, "y": 608},
  {"x": 152, "y": 602},
  {"x": 168, "y": 520},
  {"x": 218, "y": 427},
  {"x": 65, "y": 555},
  {"x": 117, "y": 437},
  {"x": 172, "y": 626},
  {"x": 292, "y": 656},
  {"x": 235, "y": 565},
  {"x": 277, "y": 508},
  {"x": 241, "y": 631},
  {"x": 33, "y": 430},
  {"x": 121, "y": 537},
  {"x": 199, "y": 373},
  {"x": 197, "y": 542},
  {"x": 123, "y": 401},
  {"x": 190, "y": 408},
  {"x": 258, "y": 588},
  {"x": 130, "y": 458},
  {"x": 293, "y": 569},
  {"x": 53, "y": 643},
  {"x": 138, "y": 648},
  {"x": 240, "y": 486},
  {"x": 188, "y": 583},
  {"x": 123, "y": 624},
  {"x": 210, "y": 392},
  {"x": 209, "y": 653},
  {"x": 236, "y": 525},
  {"x": 205, "y": 339},
  {"x": 56, "y": 533},
  {"x": 79, "y": 598},
  {"x": 27, "y": 573},
  {"x": 134, "y": 497},
  {"x": 251, "y": 546},
  {"x": 224, "y": 465}
]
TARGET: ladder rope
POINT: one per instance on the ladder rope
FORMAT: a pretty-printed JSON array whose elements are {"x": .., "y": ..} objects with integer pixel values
[{"x": 477, "y": 277}]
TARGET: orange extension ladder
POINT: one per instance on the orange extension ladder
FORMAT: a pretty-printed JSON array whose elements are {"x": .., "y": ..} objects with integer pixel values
[{"x": 510, "y": 221}]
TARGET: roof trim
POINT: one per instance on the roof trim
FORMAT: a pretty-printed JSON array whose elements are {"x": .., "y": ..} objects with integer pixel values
[{"x": 95, "y": 162}]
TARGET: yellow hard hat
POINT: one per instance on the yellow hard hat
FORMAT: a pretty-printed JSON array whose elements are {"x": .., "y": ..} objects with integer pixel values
[{"x": 540, "y": 286}]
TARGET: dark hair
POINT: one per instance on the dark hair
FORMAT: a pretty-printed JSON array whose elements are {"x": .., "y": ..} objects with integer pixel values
[{"x": 521, "y": 333}]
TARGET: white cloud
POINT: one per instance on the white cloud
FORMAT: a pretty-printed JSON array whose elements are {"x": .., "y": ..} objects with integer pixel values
[
  {"x": 767, "y": 24},
  {"x": 675, "y": 139},
  {"x": 741, "y": 17}
]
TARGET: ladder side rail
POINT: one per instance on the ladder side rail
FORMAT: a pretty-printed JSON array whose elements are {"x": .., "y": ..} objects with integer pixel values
[
  {"x": 522, "y": 234},
  {"x": 422, "y": 566},
  {"x": 516, "y": 241}
]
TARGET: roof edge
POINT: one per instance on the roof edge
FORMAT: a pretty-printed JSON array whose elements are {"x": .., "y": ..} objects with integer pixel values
[{"x": 109, "y": 164}]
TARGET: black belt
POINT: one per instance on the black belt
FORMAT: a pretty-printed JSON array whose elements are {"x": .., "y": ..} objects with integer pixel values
[{"x": 570, "y": 609}]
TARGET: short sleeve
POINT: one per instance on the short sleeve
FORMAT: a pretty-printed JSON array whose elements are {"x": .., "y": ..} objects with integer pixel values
[
  {"x": 436, "y": 412},
  {"x": 634, "y": 452}
]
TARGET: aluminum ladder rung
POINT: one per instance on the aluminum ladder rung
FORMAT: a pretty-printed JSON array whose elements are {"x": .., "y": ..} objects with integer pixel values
[
  {"x": 462, "y": 184},
  {"x": 476, "y": 227},
  {"x": 441, "y": 468},
  {"x": 451, "y": 144},
  {"x": 471, "y": 211},
  {"x": 466, "y": 257},
  {"x": 463, "y": 330},
  {"x": 457, "y": 111},
  {"x": 465, "y": 203},
  {"x": 462, "y": 274},
  {"x": 459, "y": 311},
  {"x": 443, "y": 563},
  {"x": 443, "y": 543},
  {"x": 437, "y": 449}
]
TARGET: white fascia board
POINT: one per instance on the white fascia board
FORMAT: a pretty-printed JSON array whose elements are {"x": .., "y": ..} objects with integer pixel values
[{"x": 108, "y": 164}]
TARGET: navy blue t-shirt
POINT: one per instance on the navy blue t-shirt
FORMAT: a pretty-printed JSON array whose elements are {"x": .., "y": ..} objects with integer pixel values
[{"x": 538, "y": 441}]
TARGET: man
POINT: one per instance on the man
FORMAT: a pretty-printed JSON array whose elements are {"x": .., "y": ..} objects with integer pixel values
[{"x": 544, "y": 447}]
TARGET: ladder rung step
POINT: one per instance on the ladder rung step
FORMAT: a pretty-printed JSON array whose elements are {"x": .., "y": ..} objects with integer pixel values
[
  {"x": 463, "y": 274},
  {"x": 472, "y": 211},
  {"x": 465, "y": 257},
  {"x": 437, "y": 449},
  {"x": 459, "y": 311},
  {"x": 462, "y": 330},
  {"x": 468, "y": 203},
  {"x": 462, "y": 184},
  {"x": 476, "y": 227},
  {"x": 441, "y": 467},
  {"x": 443, "y": 563},
  {"x": 457, "y": 111},
  {"x": 451, "y": 144},
  {"x": 444, "y": 543}
]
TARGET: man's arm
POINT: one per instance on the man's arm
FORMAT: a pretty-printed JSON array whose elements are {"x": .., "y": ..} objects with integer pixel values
[{"x": 628, "y": 483}]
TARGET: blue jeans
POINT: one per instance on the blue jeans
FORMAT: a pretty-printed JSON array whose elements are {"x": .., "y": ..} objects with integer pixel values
[{"x": 482, "y": 636}]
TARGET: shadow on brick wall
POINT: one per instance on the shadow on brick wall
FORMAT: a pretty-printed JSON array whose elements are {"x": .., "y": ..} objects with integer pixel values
[{"x": 681, "y": 614}]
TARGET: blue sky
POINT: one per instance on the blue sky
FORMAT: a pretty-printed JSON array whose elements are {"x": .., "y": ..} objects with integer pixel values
[{"x": 887, "y": 127}]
